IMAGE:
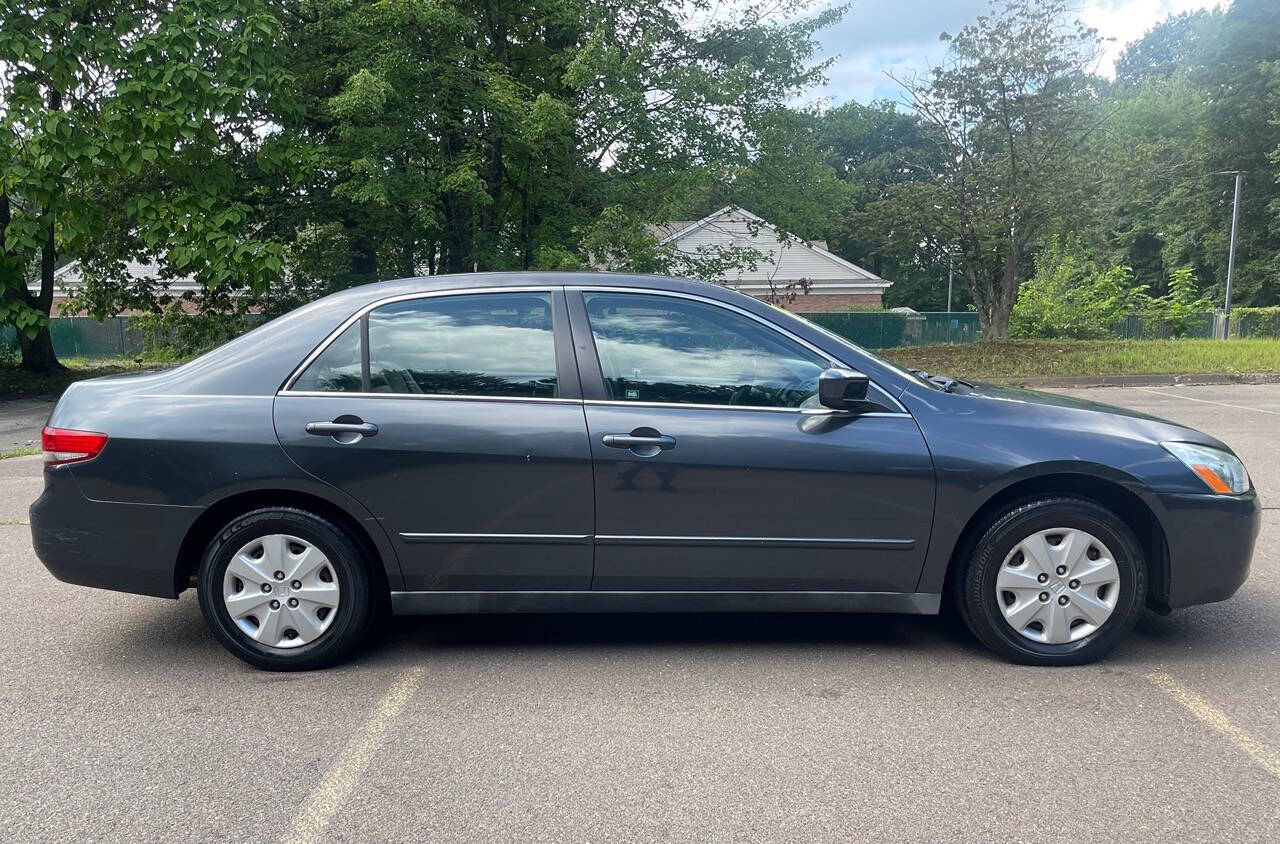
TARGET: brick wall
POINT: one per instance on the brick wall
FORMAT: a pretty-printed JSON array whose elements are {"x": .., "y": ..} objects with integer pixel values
[{"x": 832, "y": 303}]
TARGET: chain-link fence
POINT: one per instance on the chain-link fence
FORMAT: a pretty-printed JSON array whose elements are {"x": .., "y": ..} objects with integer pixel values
[
  {"x": 886, "y": 329},
  {"x": 121, "y": 337}
]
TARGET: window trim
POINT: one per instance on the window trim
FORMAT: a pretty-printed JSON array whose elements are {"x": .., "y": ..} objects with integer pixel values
[
  {"x": 569, "y": 306},
  {"x": 361, "y": 315},
  {"x": 890, "y": 400}
]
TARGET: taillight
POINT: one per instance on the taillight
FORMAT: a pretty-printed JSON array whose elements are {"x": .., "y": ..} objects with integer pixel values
[{"x": 62, "y": 445}]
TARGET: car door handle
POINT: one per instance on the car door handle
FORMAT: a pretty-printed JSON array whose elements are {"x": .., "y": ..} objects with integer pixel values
[
  {"x": 334, "y": 429},
  {"x": 661, "y": 441}
]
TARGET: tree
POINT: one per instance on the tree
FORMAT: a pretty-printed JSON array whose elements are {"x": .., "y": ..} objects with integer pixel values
[
  {"x": 1173, "y": 46},
  {"x": 1193, "y": 102},
  {"x": 457, "y": 135},
  {"x": 117, "y": 124},
  {"x": 1008, "y": 111}
]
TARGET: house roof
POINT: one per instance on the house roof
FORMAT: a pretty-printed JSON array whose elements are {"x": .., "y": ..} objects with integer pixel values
[
  {"x": 70, "y": 277},
  {"x": 789, "y": 258}
]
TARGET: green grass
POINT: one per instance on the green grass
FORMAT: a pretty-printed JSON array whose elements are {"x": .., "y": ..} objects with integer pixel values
[
  {"x": 1039, "y": 358},
  {"x": 16, "y": 383},
  {"x": 19, "y": 452}
]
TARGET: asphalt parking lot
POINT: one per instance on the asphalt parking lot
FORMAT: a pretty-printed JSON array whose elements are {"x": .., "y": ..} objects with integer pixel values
[{"x": 121, "y": 718}]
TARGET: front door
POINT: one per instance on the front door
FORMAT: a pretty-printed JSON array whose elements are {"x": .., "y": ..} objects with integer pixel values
[
  {"x": 457, "y": 422},
  {"x": 716, "y": 468}
]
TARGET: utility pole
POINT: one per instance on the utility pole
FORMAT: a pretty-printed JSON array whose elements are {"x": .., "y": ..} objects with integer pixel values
[
  {"x": 1231, "y": 252},
  {"x": 951, "y": 275}
]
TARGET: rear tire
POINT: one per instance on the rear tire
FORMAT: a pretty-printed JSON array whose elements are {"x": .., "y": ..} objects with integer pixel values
[
  {"x": 1054, "y": 581},
  {"x": 285, "y": 590}
]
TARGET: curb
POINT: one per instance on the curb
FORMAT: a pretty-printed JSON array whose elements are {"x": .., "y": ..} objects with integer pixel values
[{"x": 1200, "y": 379}]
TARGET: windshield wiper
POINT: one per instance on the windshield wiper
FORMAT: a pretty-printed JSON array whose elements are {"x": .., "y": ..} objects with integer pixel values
[{"x": 947, "y": 384}]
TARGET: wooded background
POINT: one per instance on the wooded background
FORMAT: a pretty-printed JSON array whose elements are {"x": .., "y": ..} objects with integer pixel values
[{"x": 277, "y": 151}]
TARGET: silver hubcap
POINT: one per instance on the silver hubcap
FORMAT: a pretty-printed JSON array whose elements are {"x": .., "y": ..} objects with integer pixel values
[
  {"x": 281, "y": 591},
  {"x": 1058, "y": 585}
]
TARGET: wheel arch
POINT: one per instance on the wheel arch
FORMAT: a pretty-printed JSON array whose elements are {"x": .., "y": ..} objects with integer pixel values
[
  {"x": 1109, "y": 493},
  {"x": 384, "y": 566}
]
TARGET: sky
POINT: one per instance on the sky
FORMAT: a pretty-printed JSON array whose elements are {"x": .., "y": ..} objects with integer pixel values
[{"x": 876, "y": 36}]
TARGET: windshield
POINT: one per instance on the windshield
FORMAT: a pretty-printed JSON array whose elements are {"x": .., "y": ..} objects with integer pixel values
[{"x": 906, "y": 373}]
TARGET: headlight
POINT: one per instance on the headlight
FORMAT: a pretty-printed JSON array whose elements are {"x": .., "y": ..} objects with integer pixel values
[{"x": 1221, "y": 470}]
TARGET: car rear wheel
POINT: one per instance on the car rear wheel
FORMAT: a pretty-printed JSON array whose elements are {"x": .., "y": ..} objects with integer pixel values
[
  {"x": 1054, "y": 581},
  {"x": 285, "y": 589}
]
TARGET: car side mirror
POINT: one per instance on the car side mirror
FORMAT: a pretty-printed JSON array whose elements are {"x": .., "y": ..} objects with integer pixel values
[{"x": 842, "y": 389}]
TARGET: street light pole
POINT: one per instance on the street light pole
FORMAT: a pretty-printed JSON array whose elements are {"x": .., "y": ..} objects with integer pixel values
[
  {"x": 950, "y": 276},
  {"x": 1230, "y": 255},
  {"x": 1231, "y": 252}
]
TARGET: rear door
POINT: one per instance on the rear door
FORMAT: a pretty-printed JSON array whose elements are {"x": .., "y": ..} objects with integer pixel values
[
  {"x": 717, "y": 469},
  {"x": 456, "y": 419}
]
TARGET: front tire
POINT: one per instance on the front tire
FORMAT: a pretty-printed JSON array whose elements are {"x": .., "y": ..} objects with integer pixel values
[
  {"x": 1054, "y": 581},
  {"x": 285, "y": 590}
]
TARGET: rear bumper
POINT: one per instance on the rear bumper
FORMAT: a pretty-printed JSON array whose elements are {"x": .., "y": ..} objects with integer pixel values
[
  {"x": 1210, "y": 540},
  {"x": 108, "y": 545}
]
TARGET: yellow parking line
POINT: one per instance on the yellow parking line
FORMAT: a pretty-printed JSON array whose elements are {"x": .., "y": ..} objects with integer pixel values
[
  {"x": 343, "y": 774},
  {"x": 1267, "y": 758},
  {"x": 1206, "y": 401}
]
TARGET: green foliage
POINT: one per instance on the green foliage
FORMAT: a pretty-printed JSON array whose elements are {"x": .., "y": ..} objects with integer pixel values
[
  {"x": 454, "y": 136},
  {"x": 1070, "y": 297},
  {"x": 1181, "y": 308},
  {"x": 1194, "y": 97},
  {"x": 1255, "y": 322},
  {"x": 1008, "y": 113},
  {"x": 278, "y": 152},
  {"x": 122, "y": 134},
  {"x": 175, "y": 334}
]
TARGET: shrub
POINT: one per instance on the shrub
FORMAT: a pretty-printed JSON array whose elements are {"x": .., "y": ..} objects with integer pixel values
[
  {"x": 1179, "y": 311},
  {"x": 1069, "y": 297},
  {"x": 1255, "y": 322},
  {"x": 174, "y": 334}
]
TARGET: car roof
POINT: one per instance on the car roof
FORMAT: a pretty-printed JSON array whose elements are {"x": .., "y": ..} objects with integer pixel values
[{"x": 523, "y": 278}]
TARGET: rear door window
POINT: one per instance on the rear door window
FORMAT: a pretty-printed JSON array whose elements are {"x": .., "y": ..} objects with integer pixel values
[{"x": 487, "y": 344}]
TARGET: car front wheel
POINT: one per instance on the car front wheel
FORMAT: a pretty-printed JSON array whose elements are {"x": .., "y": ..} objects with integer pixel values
[
  {"x": 285, "y": 590},
  {"x": 1054, "y": 581}
]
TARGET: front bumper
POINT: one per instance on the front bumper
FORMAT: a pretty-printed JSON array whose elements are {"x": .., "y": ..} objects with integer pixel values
[
  {"x": 1210, "y": 541},
  {"x": 108, "y": 545}
]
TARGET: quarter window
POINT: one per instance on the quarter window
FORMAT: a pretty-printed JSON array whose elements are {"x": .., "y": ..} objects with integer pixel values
[
  {"x": 337, "y": 369},
  {"x": 488, "y": 344},
  {"x": 679, "y": 351}
]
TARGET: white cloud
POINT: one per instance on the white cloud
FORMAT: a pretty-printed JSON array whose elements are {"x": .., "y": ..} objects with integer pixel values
[
  {"x": 1121, "y": 22},
  {"x": 899, "y": 36}
]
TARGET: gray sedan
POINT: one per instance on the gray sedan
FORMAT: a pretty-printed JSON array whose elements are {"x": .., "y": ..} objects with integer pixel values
[{"x": 601, "y": 443}]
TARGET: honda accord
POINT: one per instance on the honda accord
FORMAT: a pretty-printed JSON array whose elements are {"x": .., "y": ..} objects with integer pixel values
[{"x": 558, "y": 442}]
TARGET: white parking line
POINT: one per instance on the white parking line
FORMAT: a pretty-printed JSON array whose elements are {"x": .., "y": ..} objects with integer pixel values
[
  {"x": 343, "y": 774},
  {"x": 1207, "y": 401},
  {"x": 1266, "y": 758}
]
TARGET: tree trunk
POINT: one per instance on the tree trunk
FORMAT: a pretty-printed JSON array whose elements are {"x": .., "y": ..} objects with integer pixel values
[
  {"x": 458, "y": 237},
  {"x": 364, "y": 261},
  {"x": 997, "y": 328},
  {"x": 1006, "y": 294},
  {"x": 37, "y": 352}
]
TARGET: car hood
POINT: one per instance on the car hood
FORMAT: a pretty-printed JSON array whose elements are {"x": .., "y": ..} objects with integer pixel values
[
  {"x": 1035, "y": 409},
  {"x": 1058, "y": 400}
]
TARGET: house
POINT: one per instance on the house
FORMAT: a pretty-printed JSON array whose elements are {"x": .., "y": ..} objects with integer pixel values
[
  {"x": 784, "y": 262},
  {"x": 834, "y": 283},
  {"x": 69, "y": 279}
]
